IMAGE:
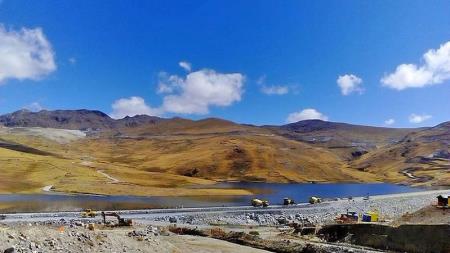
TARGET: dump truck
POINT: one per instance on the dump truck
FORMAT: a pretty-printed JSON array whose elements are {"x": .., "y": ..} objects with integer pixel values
[
  {"x": 88, "y": 213},
  {"x": 259, "y": 202},
  {"x": 315, "y": 200},
  {"x": 288, "y": 201}
]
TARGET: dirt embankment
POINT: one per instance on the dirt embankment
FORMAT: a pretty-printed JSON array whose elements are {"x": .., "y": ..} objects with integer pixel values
[{"x": 413, "y": 238}]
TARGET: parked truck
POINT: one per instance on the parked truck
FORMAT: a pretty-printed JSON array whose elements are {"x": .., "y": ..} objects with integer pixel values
[{"x": 259, "y": 202}]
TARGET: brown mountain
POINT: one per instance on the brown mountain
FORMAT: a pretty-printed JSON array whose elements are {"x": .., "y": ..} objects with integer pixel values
[
  {"x": 64, "y": 119},
  {"x": 151, "y": 155},
  {"x": 347, "y": 140},
  {"x": 422, "y": 156}
]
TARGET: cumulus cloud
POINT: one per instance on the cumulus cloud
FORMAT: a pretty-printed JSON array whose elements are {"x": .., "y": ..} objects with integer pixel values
[
  {"x": 169, "y": 83},
  {"x": 389, "y": 122},
  {"x": 185, "y": 65},
  {"x": 434, "y": 70},
  {"x": 419, "y": 118},
  {"x": 201, "y": 89},
  {"x": 132, "y": 106},
  {"x": 349, "y": 84},
  {"x": 275, "y": 90},
  {"x": 194, "y": 93},
  {"x": 25, "y": 54},
  {"x": 305, "y": 115}
]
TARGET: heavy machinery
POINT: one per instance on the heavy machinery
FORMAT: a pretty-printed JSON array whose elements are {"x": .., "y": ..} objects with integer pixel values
[
  {"x": 315, "y": 200},
  {"x": 121, "y": 222},
  {"x": 371, "y": 216},
  {"x": 88, "y": 213},
  {"x": 288, "y": 201},
  {"x": 258, "y": 202},
  {"x": 349, "y": 217}
]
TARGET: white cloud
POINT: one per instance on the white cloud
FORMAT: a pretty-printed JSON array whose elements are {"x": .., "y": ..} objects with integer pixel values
[
  {"x": 389, "y": 122},
  {"x": 25, "y": 54},
  {"x": 305, "y": 115},
  {"x": 350, "y": 83},
  {"x": 275, "y": 90},
  {"x": 434, "y": 70},
  {"x": 185, "y": 65},
  {"x": 419, "y": 118},
  {"x": 199, "y": 90},
  {"x": 132, "y": 106},
  {"x": 34, "y": 107},
  {"x": 169, "y": 83}
]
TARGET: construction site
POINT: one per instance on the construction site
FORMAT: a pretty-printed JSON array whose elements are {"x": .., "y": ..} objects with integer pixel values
[{"x": 410, "y": 222}]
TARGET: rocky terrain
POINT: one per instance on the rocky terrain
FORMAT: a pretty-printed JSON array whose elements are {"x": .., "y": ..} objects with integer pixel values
[
  {"x": 74, "y": 236},
  {"x": 238, "y": 229}
]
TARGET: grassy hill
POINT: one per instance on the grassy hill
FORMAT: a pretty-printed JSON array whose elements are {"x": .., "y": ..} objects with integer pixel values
[
  {"x": 145, "y": 155},
  {"x": 421, "y": 157}
]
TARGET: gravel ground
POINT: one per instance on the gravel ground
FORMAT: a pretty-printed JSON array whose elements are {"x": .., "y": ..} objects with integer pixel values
[
  {"x": 67, "y": 232},
  {"x": 74, "y": 237},
  {"x": 390, "y": 207}
]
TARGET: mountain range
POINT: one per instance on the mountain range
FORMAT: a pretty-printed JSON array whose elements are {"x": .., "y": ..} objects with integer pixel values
[{"x": 73, "y": 150}]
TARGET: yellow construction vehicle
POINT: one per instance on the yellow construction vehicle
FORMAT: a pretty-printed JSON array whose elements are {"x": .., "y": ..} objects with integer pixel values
[
  {"x": 288, "y": 201},
  {"x": 88, "y": 213},
  {"x": 258, "y": 202},
  {"x": 315, "y": 200}
]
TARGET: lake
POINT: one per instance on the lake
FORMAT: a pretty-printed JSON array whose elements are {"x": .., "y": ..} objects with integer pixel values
[{"x": 268, "y": 191}]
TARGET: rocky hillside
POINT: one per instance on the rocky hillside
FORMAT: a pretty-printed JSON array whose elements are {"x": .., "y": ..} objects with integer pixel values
[
  {"x": 349, "y": 141},
  {"x": 64, "y": 119},
  {"x": 422, "y": 156}
]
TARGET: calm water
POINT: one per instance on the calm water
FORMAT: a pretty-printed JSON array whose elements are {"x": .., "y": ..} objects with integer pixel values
[{"x": 272, "y": 192}]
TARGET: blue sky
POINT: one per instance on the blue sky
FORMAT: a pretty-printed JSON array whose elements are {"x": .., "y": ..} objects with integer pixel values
[{"x": 259, "y": 62}]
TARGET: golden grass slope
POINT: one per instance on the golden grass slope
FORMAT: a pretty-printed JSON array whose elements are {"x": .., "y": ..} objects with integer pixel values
[
  {"x": 414, "y": 155},
  {"x": 168, "y": 158},
  {"x": 165, "y": 165}
]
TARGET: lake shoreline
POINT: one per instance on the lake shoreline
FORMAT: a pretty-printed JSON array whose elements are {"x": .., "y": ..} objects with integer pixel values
[{"x": 50, "y": 201}]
